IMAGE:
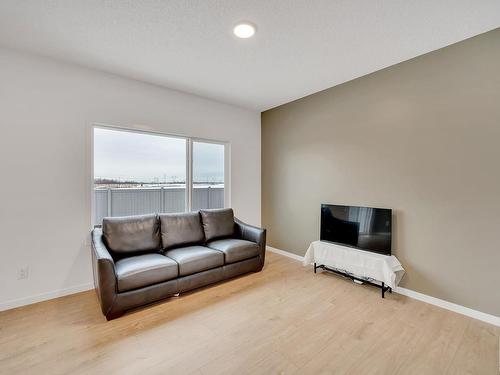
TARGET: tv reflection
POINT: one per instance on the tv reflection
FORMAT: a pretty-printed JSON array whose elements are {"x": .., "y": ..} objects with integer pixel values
[{"x": 361, "y": 227}]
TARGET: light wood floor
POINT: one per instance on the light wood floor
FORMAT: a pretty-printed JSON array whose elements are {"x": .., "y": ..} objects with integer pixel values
[{"x": 283, "y": 320}]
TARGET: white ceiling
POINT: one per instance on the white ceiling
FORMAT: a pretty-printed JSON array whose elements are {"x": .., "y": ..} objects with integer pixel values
[{"x": 301, "y": 46}]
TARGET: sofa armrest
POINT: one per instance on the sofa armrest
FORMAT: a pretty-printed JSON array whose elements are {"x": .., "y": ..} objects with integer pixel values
[
  {"x": 254, "y": 234},
  {"x": 103, "y": 267}
]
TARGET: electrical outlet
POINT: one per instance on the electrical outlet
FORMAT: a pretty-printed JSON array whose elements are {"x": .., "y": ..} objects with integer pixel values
[{"x": 23, "y": 273}]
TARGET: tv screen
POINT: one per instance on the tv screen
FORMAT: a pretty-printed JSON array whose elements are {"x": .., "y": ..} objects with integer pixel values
[{"x": 364, "y": 228}]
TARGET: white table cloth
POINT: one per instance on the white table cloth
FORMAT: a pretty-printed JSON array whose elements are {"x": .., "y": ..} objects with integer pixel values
[{"x": 362, "y": 264}]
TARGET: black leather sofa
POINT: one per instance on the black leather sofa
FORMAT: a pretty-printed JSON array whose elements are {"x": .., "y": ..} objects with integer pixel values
[{"x": 141, "y": 259}]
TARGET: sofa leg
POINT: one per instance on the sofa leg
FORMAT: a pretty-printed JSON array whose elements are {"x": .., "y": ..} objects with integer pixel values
[{"x": 114, "y": 315}]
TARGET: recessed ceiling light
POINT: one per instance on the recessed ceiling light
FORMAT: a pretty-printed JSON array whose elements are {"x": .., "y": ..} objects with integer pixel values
[{"x": 244, "y": 30}]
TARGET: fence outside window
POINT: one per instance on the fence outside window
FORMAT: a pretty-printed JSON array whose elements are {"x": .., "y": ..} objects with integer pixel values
[{"x": 137, "y": 201}]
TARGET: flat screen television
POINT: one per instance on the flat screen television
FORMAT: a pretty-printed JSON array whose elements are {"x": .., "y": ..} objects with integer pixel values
[{"x": 364, "y": 228}]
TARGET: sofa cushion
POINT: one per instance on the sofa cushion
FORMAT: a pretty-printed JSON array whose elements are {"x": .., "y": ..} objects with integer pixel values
[
  {"x": 144, "y": 270},
  {"x": 132, "y": 234},
  {"x": 181, "y": 229},
  {"x": 235, "y": 250},
  {"x": 194, "y": 259},
  {"x": 217, "y": 223}
]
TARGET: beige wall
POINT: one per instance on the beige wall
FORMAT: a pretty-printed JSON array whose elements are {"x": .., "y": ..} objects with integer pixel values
[{"x": 421, "y": 137}]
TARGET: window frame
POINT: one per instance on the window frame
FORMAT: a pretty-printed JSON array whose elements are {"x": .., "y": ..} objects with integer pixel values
[{"x": 189, "y": 162}]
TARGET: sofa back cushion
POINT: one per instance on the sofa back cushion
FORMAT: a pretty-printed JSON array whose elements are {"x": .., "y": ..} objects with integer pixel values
[
  {"x": 217, "y": 223},
  {"x": 132, "y": 234},
  {"x": 181, "y": 229}
]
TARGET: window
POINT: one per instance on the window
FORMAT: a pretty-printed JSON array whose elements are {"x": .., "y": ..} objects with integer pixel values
[
  {"x": 138, "y": 173},
  {"x": 208, "y": 175}
]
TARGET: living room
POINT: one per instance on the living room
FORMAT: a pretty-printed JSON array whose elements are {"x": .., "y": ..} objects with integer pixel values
[{"x": 250, "y": 187}]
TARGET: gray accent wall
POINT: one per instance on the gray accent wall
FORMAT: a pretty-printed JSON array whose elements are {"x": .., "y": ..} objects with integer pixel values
[{"x": 421, "y": 137}]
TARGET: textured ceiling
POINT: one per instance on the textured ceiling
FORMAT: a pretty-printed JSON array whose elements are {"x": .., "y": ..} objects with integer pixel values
[{"x": 301, "y": 47}]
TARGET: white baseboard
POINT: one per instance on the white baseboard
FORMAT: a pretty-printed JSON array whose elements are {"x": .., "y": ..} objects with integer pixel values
[
  {"x": 285, "y": 253},
  {"x": 488, "y": 318},
  {"x": 44, "y": 297}
]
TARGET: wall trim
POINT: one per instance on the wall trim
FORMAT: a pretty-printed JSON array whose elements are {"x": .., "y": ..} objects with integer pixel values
[
  {"x": 488, "y": 318},
  {"x": 12, "y": 304},
  {"x": 285, "y": 253},
  {"x": 475, "y": 314}
]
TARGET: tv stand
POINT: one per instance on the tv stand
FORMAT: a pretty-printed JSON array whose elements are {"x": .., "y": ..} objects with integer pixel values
[
  {"x": 382, "y": 286},
  {"x": 381, "y": 271}
]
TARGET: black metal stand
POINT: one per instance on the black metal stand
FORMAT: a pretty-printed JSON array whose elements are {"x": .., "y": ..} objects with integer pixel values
[{"x": 383, "y": 287}]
